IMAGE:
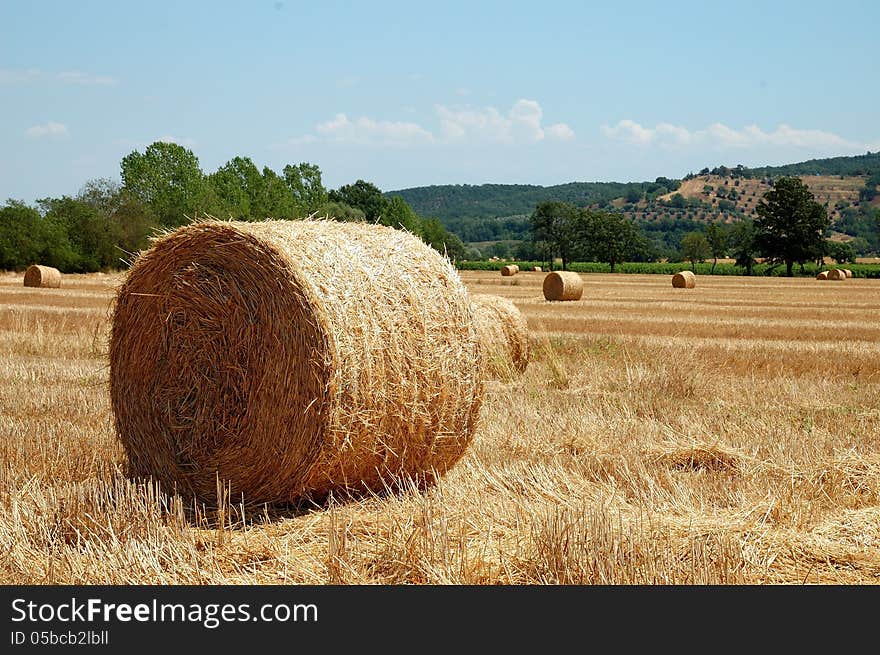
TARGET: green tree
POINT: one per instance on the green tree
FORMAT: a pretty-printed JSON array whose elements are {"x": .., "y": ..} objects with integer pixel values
[
  {"x": 695, "y": 248},
  {"x": 132, "y": 221},
  {"x": 441, "y": 240},
  {"x": 553, "y": 226},
  {"x": 399, "y": 215},
  {"x": 340, "y": 211},
  {"x": 167, "y": 177},
  {"x": 718, "y": 238},
  {"x": 276, "y": 199},
  {"x": 304, "y": 182},
  {"x": 608, "y": 237},
  {"x": 28, "y": 238},
  {"x": 791, "y": 225},
  {"x": 91, "y": 233},
  {"x": 366, "y": 196},
  {"x": 743, "y": 245},
  {"x": 841, "y": 252},
  {"x": 239, "y": 186}
]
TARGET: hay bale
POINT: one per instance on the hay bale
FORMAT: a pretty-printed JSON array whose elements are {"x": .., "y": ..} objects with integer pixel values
[
  {"x": 510, "y": 269},
  {"x": 503, "y": 334},
  {"x": 292, "y": 359},
  {"x": 42, "y": 276},
  {"x": 836, "y": 274},
  {"x": 563, "y": 285},
  {"x": 684, "y": 280},
  {"x": 847, "y": 271},
  {"x": 536, "y": 269},
  {"x": 822, "y": 276}
]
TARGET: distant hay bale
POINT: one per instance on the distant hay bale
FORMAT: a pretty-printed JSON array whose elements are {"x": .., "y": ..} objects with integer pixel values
[
  {"x": 822, "y": 276},
  {"x": 684, "y": 280},
  {"x": 510, "y": 269},
  {"x": 836, "y": 274},
  {"x": 847, "y": 271},
  {"x": 536, "y": 269},
  {"x": 503, "y": 334},
  {"x": 563, "y": 285},
  {"x": 42, "y": 276},
  {"x": 292, "y": 359}
]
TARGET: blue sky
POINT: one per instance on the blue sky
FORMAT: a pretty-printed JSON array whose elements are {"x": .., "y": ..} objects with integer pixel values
[{"x": 407, "y": 94}]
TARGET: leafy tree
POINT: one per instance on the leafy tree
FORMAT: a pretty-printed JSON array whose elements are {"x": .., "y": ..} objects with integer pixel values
[
  {"x": 132, "y": 221},
  {"x": 436, "y": 236},
  {"x": 743, "y": 245},
  {"x": 364, "y": 196},
  {"x": 28, "y": 238},
  {"x": 304, "y": 182},
  {"x": 695, "y": 248},
  {"x": 791, "y": 225},
  {"x": 609, "y": 237},
  {"x": 91, "y": 233},
  {"x": 277, "y": 200},
  {"x": 399, "y": 215},
  {"x": 340, "y": 211},
  {"x": 841, "y": 252},
  {"x": 553, "y": 230},
  {"x": 240, "y": 188},
  {"x": 718, "y": 238},
  {"x": 167, "y": 177}
]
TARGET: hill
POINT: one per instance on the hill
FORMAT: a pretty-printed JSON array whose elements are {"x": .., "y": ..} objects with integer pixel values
[{"x": 485, "y": 213}]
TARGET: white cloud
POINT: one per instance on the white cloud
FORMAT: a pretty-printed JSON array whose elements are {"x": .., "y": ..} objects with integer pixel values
[
  {"x": 50, "y": 129},
  {"x": 523, "y": 123},
  {"x": 722, "y": 136},
  {"x": 365, "y": 130},
  {"x": 20, "y": 76},
  {"x": 186, "y": 142}
]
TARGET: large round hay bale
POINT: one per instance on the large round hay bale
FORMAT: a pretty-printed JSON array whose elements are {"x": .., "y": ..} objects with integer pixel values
[
  {"x": 563, "y": 285},
  {"x": 822, "y": 275},
  {"x": 42, "y": 276},
  {"x": 504, "y": 335},
  {"x": 292, "y": 359},
  {"x": 836, "y": 274},
  {"x": 684, "y": 280},
  {"x": 536, "y": 269},
  {"x": 847, "y": 271},
  {"x": 510, "y": 269}
]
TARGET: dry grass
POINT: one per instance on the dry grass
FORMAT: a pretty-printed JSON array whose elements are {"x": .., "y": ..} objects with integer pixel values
[{"x": 656, "y": 438}]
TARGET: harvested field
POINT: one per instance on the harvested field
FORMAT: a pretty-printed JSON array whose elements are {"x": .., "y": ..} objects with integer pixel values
[{"x": 726, "y": 435}]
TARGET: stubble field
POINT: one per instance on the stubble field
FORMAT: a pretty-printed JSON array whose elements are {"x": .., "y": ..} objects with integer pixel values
[{"x": 724, "y": 434}]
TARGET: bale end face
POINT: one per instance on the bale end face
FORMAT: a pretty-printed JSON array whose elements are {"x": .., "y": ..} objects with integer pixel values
[
  {"x": 503, "y": 335},
  {"x": 563, "y": 285},
  {"x": 848, "y": 272},
  {"x": 836, "y": 274},
  {"x": 684, "y": 280},
  {"x": 822, "y": 276},
  {"x": 42, "y": 276},
  {"x": 510, "y": 269}
]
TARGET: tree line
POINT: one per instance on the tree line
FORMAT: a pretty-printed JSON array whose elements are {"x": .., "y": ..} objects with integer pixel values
[
  {"x": 791, "y": 228},
  {"x": 107, "y": 223}
]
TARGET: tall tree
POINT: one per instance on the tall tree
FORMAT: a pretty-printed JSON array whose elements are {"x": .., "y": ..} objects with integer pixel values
[
  {"x": 718, "y": 238},
  {"x": 167, "y": 177},
  {"x": 695, "y": 248},
  {"x": 608, "y": 237},
  {"x": 553, "y": 227},
  {"x": 742, "y": 243},
  {"x": 365, "y": 196},
  {"x": 791, "y": 225},
  {"x": 304, "y": 182}
]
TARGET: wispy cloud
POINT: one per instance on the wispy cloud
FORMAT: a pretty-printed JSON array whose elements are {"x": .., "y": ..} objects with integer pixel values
[
  {"x": 50, "y": 129},
  {"x": 522, "y": 123},
  {"x": 26, "y": 75},
  {"x": 722, "y": 136}
]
